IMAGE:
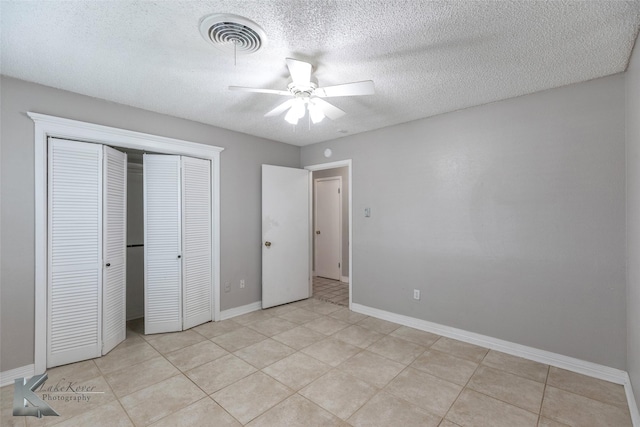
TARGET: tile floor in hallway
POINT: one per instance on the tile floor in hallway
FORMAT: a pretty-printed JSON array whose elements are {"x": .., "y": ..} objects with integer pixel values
[
  {"x": 330, "y": 290},
  {"x": 313, "y": 363}
]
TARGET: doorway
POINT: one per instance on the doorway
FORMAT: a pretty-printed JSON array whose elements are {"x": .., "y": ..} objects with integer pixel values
[
  {"x": 332, "y": 220},
  {"x": 327, "y": 224}
]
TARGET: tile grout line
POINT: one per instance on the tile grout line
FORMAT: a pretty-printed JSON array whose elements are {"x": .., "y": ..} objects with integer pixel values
[
  {"x": 544, "y": 392},
  {"x": 206, "y": 395},
  {"x": 510, "y": 373},
  {"x": 427, "y": 348},
  {"x": 379, "y": 390},
  {"x": 464, "y": 386},
  {"x": 503, "y": 401},
  {"x": 560, "y": 387},
  {"x": 115, "y": 395},
  {"x": 180, "y": 372}
]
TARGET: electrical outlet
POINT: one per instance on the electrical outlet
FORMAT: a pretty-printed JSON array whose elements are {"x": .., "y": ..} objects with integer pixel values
[
  {"x": 416, "y": 294},
  {"x": 242, "y": 284},
  {"x": 227, "y": 287}
]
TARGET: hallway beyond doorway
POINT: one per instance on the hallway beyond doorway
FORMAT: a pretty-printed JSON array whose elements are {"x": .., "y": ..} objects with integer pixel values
[{"x": 332, "y": 291}]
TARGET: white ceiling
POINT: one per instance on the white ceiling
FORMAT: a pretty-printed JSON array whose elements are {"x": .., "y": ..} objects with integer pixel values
[{"x": 425, "y": 58}]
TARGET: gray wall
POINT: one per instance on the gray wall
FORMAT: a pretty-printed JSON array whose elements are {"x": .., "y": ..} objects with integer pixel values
[
  {"x": 240, "y": 197},
  {"x": 509, "y": 217},
  {"x": 633, "y": 221},
  {"x": 344, "y": 173}
]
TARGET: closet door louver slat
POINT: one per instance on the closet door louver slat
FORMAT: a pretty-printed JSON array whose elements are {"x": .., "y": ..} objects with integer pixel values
[
  {"x": 115, "y": 249},
  {"x": 196, "y": 242},
  {"x": 75, "y": 251},
  {"x": 162, "y": 244}
]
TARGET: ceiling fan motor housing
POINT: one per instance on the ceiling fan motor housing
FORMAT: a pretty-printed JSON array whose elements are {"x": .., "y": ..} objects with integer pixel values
[{"x": 302, "y": 90}]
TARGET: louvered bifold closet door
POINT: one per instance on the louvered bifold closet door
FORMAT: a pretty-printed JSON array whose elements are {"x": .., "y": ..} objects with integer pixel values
[
  {"x": 162, "y": 244},
  {"x": 74, "y": 299},
  {"x": 114, "y": 278},
  {"x": 196, "y": 242}
]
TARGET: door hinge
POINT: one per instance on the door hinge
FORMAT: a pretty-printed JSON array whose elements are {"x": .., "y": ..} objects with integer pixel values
[
  {"x": 338, "y": 191},
  {"x": 338, "y": 265}
]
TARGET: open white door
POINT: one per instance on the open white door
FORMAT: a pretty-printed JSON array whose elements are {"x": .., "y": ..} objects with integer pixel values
[
  {"x": 74, "y": 300},
  {"x": 285, "y": 235},
  {"x": 328, "y": 238},
  {"x": 162, "y": 244},
  {"x": 114, "y": 276},
  {"x": 197, "y": 286}
]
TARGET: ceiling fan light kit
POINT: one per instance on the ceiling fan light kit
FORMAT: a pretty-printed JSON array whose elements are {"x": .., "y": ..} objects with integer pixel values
[
  {"x": 307, "y": 96},
  {"x": 315, "y": 112},
  {"x": 296, "y": 112}
]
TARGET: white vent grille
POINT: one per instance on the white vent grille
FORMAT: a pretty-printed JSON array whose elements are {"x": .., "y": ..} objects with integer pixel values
[{"x": 232, "y": 33}]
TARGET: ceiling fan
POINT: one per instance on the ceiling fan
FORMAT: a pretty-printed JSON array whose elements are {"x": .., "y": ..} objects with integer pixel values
[{"x": 308, "y": 96}]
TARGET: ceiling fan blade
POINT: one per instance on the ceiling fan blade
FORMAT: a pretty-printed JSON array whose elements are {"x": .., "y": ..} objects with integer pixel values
[
  {"x": 300, "y": 71},
  {"x": 281, "y": 108},
  {"x": 348, "y": 89},
  {"x": 329, "y": 110},
  {"x": 258, "y": 90}
]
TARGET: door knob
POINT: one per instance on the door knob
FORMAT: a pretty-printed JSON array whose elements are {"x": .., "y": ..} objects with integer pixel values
[
  {"x": 179, "y": 256},
  {"x": 108, "y": 264},
  {"x": 318, "y": 232},
  {"x": 267, "y": 244}
]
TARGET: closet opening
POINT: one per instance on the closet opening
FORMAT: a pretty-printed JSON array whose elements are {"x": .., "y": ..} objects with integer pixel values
[
  {"x": 135, "y": 241},
  {"x": 135, "y": 143}
]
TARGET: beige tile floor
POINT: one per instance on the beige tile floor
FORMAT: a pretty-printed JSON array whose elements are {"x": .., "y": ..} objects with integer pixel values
[
  {"x": 312, "y": 363},
  {"x": 331, "y": 291}
]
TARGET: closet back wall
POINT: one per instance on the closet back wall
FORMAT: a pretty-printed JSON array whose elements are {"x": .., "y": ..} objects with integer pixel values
[
  {"x": 135, "y": 240},
  {"x": 239, "y": 197}
]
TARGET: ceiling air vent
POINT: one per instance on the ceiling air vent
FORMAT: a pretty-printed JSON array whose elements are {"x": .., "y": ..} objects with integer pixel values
[{"x": 233, "y": 33}]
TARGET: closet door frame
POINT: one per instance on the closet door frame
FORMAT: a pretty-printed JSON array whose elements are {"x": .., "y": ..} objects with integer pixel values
[{"x": 51, "y": 126}]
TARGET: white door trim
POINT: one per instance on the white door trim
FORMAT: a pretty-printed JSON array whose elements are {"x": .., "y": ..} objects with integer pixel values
[
  {"x": 46, "y": 126},
  {"x": 339, "y": 164},
  {"x": 315, "y": 218}
]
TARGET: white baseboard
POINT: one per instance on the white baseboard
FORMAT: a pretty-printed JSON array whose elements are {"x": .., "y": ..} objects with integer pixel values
[
  {"x": 558, "y": 360},
  {"x": 238, "y": 311},
  {"x": 28, "y": 371},
  {"x": 9, "y": 377},
  {"x": 633, "y": 407},
  {"x": 579, "y": 366}
]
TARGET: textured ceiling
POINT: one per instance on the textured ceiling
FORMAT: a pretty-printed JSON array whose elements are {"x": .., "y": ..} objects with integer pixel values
[{"x": 425, "y": 58}]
